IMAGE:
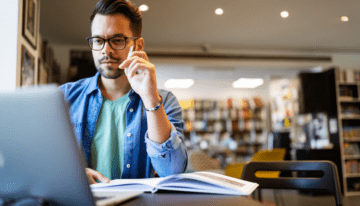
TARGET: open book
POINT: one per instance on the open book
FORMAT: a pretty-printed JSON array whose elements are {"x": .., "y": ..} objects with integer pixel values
[{"x": 202, "y": 182}]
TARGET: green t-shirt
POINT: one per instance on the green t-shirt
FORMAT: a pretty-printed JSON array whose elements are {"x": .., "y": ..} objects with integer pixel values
[{"x": 107, "y": 146}]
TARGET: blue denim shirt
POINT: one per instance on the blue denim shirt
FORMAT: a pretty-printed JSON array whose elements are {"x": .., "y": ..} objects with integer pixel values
[{"x": 141, "y": 155}]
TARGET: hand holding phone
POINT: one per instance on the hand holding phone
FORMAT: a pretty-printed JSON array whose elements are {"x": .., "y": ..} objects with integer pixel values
[{"x": 130, "y": 51}]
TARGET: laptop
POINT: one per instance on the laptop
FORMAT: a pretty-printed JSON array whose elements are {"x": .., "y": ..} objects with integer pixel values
[{"x": 39, "y": 154}]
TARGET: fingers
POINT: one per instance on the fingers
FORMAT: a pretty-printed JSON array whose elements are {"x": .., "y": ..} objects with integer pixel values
[
  {"x": 91, "y": 180},
  {"x": 136, "y": 69},
  {"x": 133, "y": 55},
  {"x": 136, "y": 65},
  {"x": 90, "y": 177},
  {"x": 95, "y": 175},
  {"x": 139, "y": 54}
]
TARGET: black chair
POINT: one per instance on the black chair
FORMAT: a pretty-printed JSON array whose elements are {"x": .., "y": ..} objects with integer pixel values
[{"x": 328, "y": 182}]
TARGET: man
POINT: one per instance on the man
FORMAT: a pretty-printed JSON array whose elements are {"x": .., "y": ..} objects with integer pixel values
[{"x": 125, "y": 125}]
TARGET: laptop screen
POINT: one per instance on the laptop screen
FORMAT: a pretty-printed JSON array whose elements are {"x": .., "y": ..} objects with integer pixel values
[{"x": 39, "y": 155}]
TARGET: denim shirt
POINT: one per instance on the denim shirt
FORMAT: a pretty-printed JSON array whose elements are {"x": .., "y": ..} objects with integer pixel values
[{"x": 141, "y": 155}]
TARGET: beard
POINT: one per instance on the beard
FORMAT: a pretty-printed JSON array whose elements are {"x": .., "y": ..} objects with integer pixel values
[{"x": 108, "y": 71}]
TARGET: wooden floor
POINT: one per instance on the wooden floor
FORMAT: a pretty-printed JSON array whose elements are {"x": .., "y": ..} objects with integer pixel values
[{"x": 294, "y": 198}]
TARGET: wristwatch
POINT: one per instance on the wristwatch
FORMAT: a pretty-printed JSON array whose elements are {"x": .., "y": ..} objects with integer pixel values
[{"x": 156, "y": 107}]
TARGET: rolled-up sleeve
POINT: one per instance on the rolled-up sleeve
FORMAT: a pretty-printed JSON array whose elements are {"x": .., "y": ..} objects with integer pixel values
[
  {"x": 155, "y": 149},
  {"x": 169, "y": 157}
]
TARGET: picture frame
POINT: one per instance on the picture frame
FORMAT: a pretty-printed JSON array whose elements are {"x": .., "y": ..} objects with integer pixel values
[
  {"x": 30, "y": 21},
  {"x": 27, "y": 73},
  {"x": 42, "y": 73},
  {"x": 39, "y": 72}
]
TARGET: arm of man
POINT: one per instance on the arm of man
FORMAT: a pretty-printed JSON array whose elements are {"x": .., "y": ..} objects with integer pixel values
[
  {"x": 169, "y": 156},
  {"x": 165, "y": 142}
]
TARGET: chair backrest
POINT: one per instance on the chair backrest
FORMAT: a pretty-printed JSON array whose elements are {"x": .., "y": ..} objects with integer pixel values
[
  {"x": 201, "y": 161},
  {"x": 269, "y": 155},
  {"x": 236, "y": 169},
  {"x": 328, "y": 182}
]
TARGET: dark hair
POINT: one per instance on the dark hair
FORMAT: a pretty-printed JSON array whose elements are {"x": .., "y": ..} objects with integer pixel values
[{"x": 108, "y": 7}]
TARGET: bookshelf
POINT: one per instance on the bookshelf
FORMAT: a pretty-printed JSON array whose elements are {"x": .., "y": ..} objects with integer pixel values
[
  {"x": 235, "y": 129},
  {"x": 348, "y": 104}
]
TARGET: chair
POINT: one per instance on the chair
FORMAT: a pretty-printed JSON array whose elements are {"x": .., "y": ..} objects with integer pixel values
[
  {"x": 236, "y": 169},
  {"x": 201, "y": 161},
  {"x": 328, "y": 182}
]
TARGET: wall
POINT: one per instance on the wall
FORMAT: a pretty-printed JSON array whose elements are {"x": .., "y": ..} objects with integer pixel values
[
  {"x": 62, "y": 56},
  {"x": 213, "y": 79},
  {"x": 347, "y": 60},
  {"x": 9, "y": 20}
]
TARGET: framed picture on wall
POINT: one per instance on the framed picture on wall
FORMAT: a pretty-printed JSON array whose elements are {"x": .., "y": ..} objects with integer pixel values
[
  {"x": 27, "y": 74},
  {"x": 31, "y": 21},
  {"x": 39, "y": 72}
]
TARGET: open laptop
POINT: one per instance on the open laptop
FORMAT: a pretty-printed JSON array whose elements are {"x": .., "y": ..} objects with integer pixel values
[{"x": 39, "y": 155}]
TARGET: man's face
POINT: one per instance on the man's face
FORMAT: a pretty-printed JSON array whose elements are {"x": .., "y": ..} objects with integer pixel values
[{"x": 107, "y": 60}]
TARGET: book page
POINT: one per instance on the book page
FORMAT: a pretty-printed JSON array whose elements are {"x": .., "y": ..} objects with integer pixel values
[
  {"x": 191, "y": 185},
  {"x": 218, "y": 179},
  {"x": 136, "y": 183},
  {"x": 205, "y": 182}
]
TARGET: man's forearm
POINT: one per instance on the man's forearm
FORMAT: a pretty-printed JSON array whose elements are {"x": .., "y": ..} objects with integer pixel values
[{"x": 159, "y": 126}]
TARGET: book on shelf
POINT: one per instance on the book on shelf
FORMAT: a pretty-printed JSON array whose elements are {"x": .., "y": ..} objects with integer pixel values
[
  {"x": 347, "y": 76},
  {"x": 199, "y": 182},
  {"x": 351, "y": 149},
  {"x": 352, "y": 167}
]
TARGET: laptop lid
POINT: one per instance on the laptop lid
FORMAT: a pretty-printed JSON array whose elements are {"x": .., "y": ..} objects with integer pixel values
[{"x": 39, "y": 155}]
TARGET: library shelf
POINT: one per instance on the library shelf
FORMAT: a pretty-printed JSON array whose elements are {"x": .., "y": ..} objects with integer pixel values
[
  {"x": 351, "y": 157},
  {"x": 352, "y": 175}
]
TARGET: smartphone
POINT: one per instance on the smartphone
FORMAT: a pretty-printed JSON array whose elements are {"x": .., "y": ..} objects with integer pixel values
[{"x": 130, "y": 50}]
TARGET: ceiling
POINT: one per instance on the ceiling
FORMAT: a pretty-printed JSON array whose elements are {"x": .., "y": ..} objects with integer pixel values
[
  {"x": 311, "y": 25},
  {"x": 255, "y": 27}
]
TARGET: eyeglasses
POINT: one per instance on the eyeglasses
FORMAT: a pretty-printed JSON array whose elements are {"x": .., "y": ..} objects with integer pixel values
[{"x": 116, "y": 43}]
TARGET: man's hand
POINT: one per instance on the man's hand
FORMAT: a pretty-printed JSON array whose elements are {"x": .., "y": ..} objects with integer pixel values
[
  {"x": 143, "y": 83},
  {"x": 95, "y": 175}
]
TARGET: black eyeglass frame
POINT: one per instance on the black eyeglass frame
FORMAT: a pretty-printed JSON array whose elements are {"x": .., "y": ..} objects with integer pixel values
[{"x": 108, "y": 40}]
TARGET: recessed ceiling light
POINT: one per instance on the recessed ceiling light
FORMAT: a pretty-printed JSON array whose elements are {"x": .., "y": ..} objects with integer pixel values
[
  {"x": 219, "y": 11},
  {"x": 143, "y": 7},
  {"x": 344, "y": 18},
  {"x": 284, "y": 14},
  {"x": 179, "y": 83},
  {"x": 248, "y": 83}
]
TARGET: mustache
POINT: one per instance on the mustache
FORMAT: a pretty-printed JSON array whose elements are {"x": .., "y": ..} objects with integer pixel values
[{"x": 107, "y": 58}]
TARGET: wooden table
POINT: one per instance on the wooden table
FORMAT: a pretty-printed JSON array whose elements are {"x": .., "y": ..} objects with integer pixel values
[{"x": 178, "y": 198}]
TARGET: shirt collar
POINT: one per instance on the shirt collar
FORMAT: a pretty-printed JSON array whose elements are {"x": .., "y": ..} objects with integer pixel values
[{"x": 94, "y": 86}]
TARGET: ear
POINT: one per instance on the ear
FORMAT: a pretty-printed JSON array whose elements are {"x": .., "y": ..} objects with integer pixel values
[{"x": 140, "y": 44}]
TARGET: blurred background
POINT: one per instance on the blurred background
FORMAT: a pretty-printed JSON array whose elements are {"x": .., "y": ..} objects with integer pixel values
[{"x": 249, "y": 75}]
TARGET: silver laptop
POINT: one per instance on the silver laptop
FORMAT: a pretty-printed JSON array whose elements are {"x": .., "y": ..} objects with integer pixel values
[{"x": 39, "y": 155}]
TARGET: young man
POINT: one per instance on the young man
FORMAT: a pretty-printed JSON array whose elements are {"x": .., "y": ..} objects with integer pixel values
[{"x": 125, "y": 125}]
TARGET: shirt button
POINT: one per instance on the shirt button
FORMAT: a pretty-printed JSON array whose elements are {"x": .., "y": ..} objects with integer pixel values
[
  {"x": 128, "y": 166},
  {"x": 129, "y": 134},
  {"x": 131, "y": 109}
]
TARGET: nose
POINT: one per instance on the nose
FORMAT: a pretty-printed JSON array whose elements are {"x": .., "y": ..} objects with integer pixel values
[{"x": 107, "y": 49}]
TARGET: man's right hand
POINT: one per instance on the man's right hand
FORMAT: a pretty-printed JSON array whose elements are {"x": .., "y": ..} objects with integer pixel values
[{"x": 95, "y": 175}]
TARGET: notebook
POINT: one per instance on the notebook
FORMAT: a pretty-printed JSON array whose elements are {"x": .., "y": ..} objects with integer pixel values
[{"x": 39, "y": 154}]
